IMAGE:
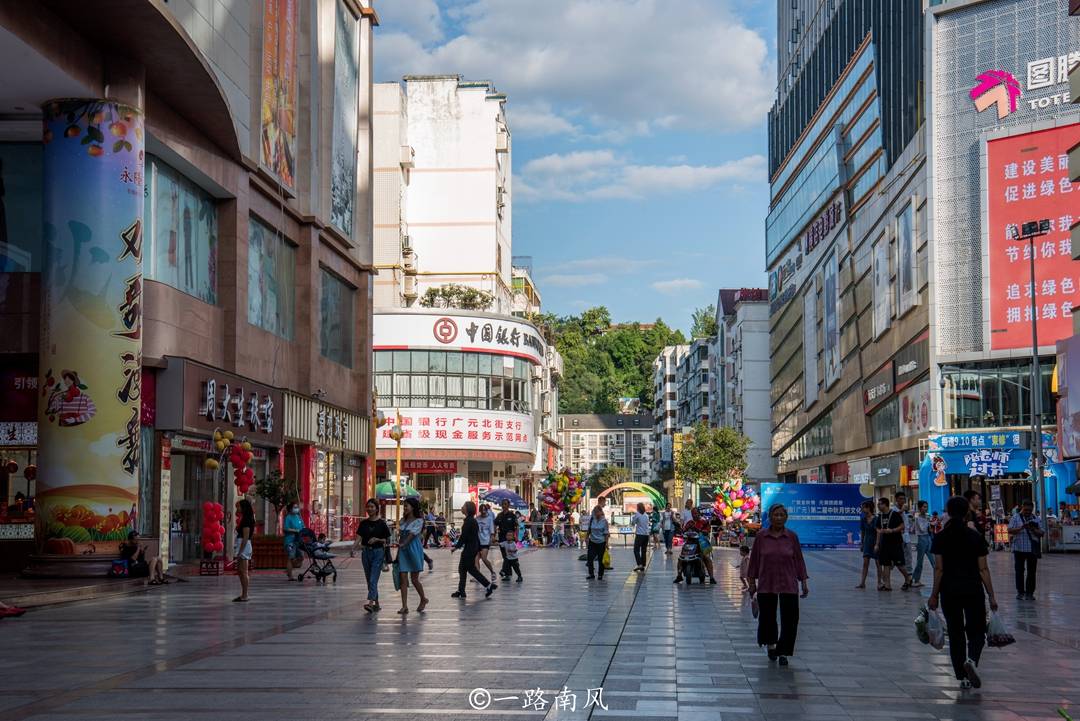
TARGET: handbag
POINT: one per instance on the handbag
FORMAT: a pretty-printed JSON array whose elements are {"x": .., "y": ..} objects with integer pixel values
[{"x": 395, "y": 571}]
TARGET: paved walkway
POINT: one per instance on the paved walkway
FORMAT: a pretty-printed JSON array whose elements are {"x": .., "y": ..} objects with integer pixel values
[{"x": 657, "y": 650}]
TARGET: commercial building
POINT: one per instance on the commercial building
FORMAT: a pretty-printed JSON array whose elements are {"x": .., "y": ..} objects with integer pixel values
[
  {"x": 1001, "y": 128},
  {"x": 665, "y": 408},
  {"x": 612, "y": 440},
  {"x": 205, "y": 199},
  {"x": 739, "y": 381},
  {"x": 476, "y": 389},
  {"x": 443, "y": 177},
  {"x": 845, "y": 162},
  {"x": 692, "y": 384}
]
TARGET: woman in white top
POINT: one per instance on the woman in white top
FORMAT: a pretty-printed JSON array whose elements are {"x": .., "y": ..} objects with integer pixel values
[
  {"x": 642, "y": 528},
  {"x": 486, "y": 522},
  {"x": 668, "y": 519}
]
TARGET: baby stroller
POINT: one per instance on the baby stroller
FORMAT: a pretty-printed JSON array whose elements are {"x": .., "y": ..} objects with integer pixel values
[
  {"x": 318, "y": 552},
  {"x": 690, "y": 562}
]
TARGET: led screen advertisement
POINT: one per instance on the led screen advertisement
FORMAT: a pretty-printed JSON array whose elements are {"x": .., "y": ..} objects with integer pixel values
[
  {"x": 1028, "y": 179},
  {"x": 823, "y": 515}
]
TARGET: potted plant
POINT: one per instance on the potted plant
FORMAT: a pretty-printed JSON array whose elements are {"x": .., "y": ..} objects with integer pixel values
[{"x": 279, "y": 492}]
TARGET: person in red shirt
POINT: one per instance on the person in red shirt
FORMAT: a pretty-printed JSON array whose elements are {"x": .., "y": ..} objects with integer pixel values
[{"x": 776, "y": 569}]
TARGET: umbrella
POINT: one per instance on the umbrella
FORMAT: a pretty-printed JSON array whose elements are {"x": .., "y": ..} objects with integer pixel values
[
  {"x": 385, "y": 491},
  {"x": 498, "y": 495}
]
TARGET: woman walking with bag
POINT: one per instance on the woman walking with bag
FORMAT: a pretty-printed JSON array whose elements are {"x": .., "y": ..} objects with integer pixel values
[
  {"x": 960, "y": 575},
  {"x": 776, "y": 569},
  {"x": 410, "y": 558},
  {"x": 868, "y": 540},
  {"x": 373, "y": 535},
  {"x": 469, "y": 544}
]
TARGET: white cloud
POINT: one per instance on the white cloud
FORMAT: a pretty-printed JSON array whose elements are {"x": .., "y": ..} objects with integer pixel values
[
  {"x": 676, "y": 285},
  {"x": 629, "y": 66},
  {"x": 539, "y": 120},
  {"x": 573, "y": 280},
  {"x": 601, "y": 174}
]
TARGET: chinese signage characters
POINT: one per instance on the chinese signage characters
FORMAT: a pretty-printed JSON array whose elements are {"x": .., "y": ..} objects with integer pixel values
[
  {"x": 536, "y": 699},
  {"x": 1028, "y": 179},
  {"x": 331, "y": 428},
  {"x": 461, "y": 428},
  {"x": 421, "y": 466},
  {"x": 878, "y": 388},
  {"x": 986, "y": 462},
  {"x": 474, "y": 333},
  {"x": 822, "y": 514},
  {"x": 823, "y": 226},
  {"x": 234, "y": 407},
  {"x": 1047, "y": 73}
]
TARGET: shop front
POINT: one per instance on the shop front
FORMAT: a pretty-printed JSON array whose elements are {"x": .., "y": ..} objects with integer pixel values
[
  {"x": 18, "y": 457},
  {"x": 997, "y": 464},
  {"x": 326, "y": 450},
  {"x": 194, "y": 401}
]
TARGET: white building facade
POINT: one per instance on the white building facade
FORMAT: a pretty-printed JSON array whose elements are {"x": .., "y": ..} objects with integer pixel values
[{"x": 665, "y": 407}]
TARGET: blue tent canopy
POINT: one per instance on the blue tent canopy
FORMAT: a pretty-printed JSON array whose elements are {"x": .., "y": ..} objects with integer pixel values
[{"x": 993, "y": 455}]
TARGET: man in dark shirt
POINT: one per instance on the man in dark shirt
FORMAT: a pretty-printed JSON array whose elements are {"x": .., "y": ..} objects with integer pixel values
[
  {"x": 469, "y": 545},
  {"x": 505, "y": 522},
  {"x": 889, "y": 525}
]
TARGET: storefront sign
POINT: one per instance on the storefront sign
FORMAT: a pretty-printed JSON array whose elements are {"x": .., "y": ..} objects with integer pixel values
[
  {"x": 878, "y": 388},
  {"x": 678, "y": 485},
  {"x": 457, "y": 331},
  {"x": 986, "y": 462},
  {"x": 311, "y": 421},
  {"x": 165, "y": 500},
  {"x": 461, "y": 428},
  {"x": 885, "y": 470},
  {"x": 810, "y": 475},
  {"x": 783, "y": 280},
  {"x": 1028, "y": 178},
  {"x": 1000, "y": 439},
  {"x": 199, "y": 399},
  {"x": 192, "y": 444},
  {"x": 17, "y": 433},
  {"x": 420, "y": 466},
  {"x": 859, "y": 470},
  {"x": 915, "y": 410},
  {"x": 822, "y": 227},
  {"x": 839, "y": 473},
  {"x": 331, "y": 427},
  {"x": 912, "y": 360}
]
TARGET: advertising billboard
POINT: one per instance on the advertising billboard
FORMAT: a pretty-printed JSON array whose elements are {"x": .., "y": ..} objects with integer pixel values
[
  {"x": 456, "y": 331},
  {"x": 1028, "y": 179},
  {"x": 346, "y": 80},
  {"x": 810, "y": 348},
  {"x": 882, "y": 299},
  {"x": 823, "y": 515},
  {"x": 906, "y": 260},
  {"x": 831, "y": 303},
  {"x": 280, "y": 91}
]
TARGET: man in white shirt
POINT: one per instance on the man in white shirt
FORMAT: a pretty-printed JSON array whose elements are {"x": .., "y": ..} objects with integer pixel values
[
  {"x": 920, "y": 526},
  {"x": 642, "y": 529}
]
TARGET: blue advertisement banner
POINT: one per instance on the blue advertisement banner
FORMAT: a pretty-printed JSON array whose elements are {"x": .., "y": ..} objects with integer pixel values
[{"x": 823, "y": 515}]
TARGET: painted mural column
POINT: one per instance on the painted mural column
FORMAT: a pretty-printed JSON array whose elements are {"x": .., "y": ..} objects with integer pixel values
[{"x": 91, "y": 335}]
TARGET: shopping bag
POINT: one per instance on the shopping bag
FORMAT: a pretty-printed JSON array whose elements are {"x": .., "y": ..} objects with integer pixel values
[
  {"x": 920, "y": 625},
  {"x": 935, "y": 629},
  {"x": 755, "y": 610},
  {"x": 396, "y": 573},
  {"x": 997, "y": 635},
  {"x": 607, "y": 558}
]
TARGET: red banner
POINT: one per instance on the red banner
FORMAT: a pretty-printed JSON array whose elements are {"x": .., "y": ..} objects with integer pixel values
[
  {"x": 422, "y": 466},
  {"x": 1028, "y": 180}
]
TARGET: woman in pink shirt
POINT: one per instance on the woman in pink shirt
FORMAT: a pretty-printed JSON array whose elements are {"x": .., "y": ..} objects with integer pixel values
[{"x": 775, "y": 573}]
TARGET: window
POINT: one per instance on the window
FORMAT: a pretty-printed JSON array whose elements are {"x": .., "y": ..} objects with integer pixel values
[
  {"x": 336, "y": 320},
  {"x": 182, "y": 228},
  {"x": 982, "y": 395},
  {"x": 20, "y": 178},
  {"x": 453, "y": 379},
  {"x": 271, "y": 280}
]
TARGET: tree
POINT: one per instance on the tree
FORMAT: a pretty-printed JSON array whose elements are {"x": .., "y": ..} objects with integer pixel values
[
  {"x": 607, "y": 477},
  {"x": 278, "y": 491},
  {"x": 453, "y": 295},
  {"x": 704, "y": 323},
  {"x": 709, "y": 455}
]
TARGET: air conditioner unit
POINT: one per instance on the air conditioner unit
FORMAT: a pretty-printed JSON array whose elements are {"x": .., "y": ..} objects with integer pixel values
[
  {"x": 408, "y": 260},
  {"x": 410, "y": 287},
  {"x": 502, "y": 142},
  {"x": 407, "y": 154},
  {"x": 538, "y": 372}
]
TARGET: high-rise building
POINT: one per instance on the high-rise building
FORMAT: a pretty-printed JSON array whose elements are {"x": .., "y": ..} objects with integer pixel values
[
  {"x": 692, "y": 384},
  {"x": 847, "y": 187},
  {"x": 615, "y": 440},
  {"x": 739, "y": 377},
  {"x": 665, "y": 408},
  {"x": 206, "y": 200}
]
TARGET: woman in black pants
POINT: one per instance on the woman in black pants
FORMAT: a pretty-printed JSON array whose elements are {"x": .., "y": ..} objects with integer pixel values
[
  {"x": 642, "y": 528},
  {"x": 960, "y": 575},
  {"x": 469, "y": 543},
  {"x": 776, "y": 570}
]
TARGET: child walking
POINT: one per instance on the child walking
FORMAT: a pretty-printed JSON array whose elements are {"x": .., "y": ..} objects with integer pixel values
[
  {"x": 744, "y": 566},
  {"x": 511, "y": 564}
]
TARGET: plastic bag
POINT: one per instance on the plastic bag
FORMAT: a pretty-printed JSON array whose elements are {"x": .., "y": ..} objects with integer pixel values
[
  {"x": 920, "y": 625},
  {"x": 997, "y": 635},
  {"x": 607, "y": 558},
  {"x": 935, "y": 629}
]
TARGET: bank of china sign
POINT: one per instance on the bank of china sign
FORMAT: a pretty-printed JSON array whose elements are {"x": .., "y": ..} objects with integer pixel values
[{"x": 999, "y": 89}]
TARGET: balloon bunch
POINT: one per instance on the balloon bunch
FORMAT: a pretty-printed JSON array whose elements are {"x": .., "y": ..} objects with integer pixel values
[
  {"x": 239, "y": 454},
  {"x": 733, "y": 501},
  {"x": 561, "y": 491},
  {"x": 213, "y": 533}
]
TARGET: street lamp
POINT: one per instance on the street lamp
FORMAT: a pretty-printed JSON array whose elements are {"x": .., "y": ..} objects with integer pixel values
[
  {"x": 1029, "y": 231},
  {"x": 378, "y": 420},
  {"x": 397, "y": 434}
]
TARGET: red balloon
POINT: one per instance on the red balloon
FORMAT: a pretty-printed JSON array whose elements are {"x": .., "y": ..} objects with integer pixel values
[
  {"x": 219, "y": 547},
  {"x": 206, "y": 506}
]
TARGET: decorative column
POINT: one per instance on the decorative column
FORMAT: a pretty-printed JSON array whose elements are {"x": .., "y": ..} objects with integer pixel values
[{"x": 91, "y": 335}]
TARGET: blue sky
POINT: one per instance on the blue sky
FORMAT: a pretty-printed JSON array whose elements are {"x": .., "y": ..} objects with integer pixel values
[{"x": 638, "y": 137}]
